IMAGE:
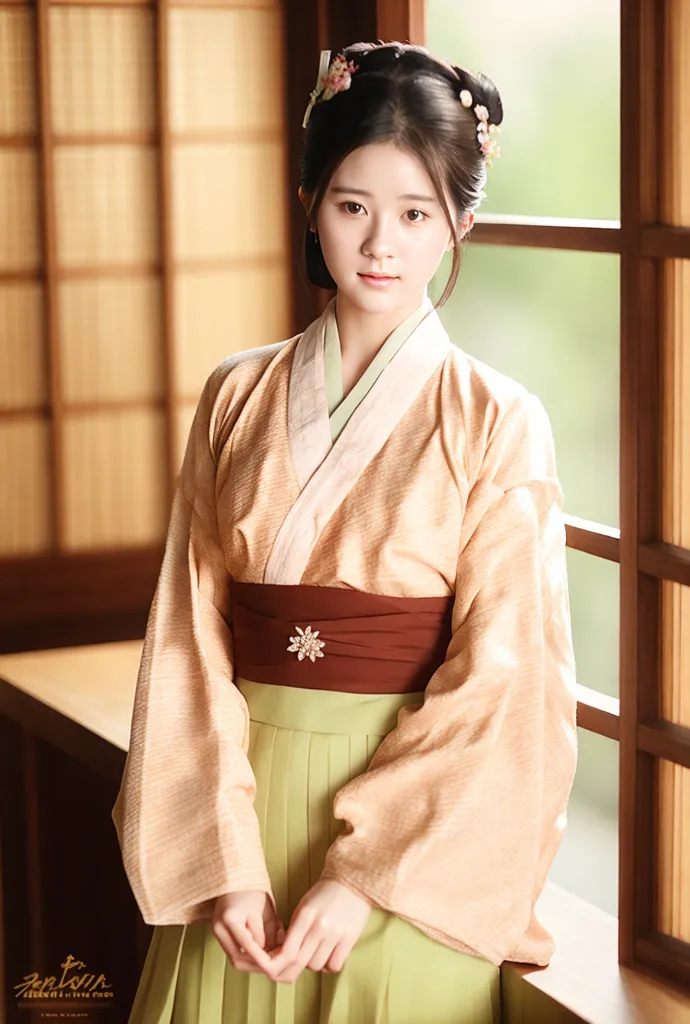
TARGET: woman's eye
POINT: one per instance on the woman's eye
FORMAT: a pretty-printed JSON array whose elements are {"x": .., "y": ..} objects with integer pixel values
[
  {"x": 350, "y": 203},
  {"x": 417, "y": 220}
]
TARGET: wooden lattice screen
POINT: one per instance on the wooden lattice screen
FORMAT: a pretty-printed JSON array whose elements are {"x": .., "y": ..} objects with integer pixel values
[{"x": 144, "y": 238}]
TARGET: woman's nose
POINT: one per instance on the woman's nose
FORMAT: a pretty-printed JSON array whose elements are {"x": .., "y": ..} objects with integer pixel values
[{"x": 379, "y": 243}]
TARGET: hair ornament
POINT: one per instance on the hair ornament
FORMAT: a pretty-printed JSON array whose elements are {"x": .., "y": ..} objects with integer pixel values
[
  {"x": 484, "y": 132},
  {"x": 485, "y": 129},
  {"x": 330, "y": 80}
]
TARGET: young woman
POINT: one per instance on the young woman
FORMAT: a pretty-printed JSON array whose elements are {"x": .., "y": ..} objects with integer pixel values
[{"x": 354, "y": 737}]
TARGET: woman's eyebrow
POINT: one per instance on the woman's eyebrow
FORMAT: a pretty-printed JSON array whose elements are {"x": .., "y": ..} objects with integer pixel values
[{"x": 362, "y": 192}]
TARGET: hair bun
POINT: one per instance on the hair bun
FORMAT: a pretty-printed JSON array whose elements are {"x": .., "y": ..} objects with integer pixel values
[{"x": 483, "y": 92}]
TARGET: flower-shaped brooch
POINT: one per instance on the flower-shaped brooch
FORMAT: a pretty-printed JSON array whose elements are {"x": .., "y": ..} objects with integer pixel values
[{"x": 306, "y": 644}]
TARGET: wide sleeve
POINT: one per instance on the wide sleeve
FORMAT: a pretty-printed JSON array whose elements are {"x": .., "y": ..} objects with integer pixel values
[
  {"x": 457, "y": 819},
  {"x": 184, "y": 815}
]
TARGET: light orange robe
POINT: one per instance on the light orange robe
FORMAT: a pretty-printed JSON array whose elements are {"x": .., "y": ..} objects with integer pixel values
[{"x": 442, "y": 482}]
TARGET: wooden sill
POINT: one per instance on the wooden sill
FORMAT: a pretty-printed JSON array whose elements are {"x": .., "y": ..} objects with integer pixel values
[
  {"x": 92, "y": 688},
  {"x": 584, "y": 976}
]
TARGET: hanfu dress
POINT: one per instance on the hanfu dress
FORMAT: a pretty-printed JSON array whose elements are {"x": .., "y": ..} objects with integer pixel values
[{"x": 426, "y": 758}]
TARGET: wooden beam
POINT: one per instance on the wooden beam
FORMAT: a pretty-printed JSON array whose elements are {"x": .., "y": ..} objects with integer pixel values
[
  {"x": 51, "y": 295},
  {"x": 662, "y": 241},
  {"x": 592, "y": 538},
  {"x": 403, "y": 21},
  {"x": 666, "y": 562},
  {"x": 640, "y": 98},
  {"x": 664, "y": 739},
  {"x": 165, "y": 242},
  {"x": 546, "y": 232},
  {"x": 78, "y": 583},
  {"x": 598, "y": 712}
]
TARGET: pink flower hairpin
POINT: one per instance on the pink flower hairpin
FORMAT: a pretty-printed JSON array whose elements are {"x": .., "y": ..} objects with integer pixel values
[
  {"x": 484, "y": 129},
  {"x": 330, "y": 80}
]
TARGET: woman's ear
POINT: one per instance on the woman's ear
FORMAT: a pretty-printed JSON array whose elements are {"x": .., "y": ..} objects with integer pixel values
[
  {"x": 466, "y": 223},
  {"x": 304, "y": 199}
]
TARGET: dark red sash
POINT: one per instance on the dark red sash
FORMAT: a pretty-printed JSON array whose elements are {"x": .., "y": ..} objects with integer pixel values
[{"x": 372, "y": 643}]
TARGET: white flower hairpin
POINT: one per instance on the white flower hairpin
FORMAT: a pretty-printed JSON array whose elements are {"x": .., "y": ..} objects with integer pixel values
[
  {"x": 330, "y": 80},
  {"x": 485, "y": 129}
]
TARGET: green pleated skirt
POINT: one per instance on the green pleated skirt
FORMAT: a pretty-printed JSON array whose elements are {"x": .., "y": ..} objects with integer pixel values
[{"x": 304, "y": 745}]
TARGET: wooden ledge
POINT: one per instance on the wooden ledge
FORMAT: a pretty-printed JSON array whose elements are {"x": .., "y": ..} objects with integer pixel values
[
  {"x": 92, "y": 686},
  {"x": 584, "y": 978},
  {"x": 91, "y": 690}
]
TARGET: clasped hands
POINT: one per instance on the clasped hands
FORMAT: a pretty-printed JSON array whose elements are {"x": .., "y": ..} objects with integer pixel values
[{"x": 326, "y": 924}]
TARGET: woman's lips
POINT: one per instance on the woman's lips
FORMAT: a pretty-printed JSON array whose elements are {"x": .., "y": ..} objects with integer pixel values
[{"x": 377, "y": 282}]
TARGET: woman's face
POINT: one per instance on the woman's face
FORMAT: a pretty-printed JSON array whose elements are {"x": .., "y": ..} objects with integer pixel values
[{"x": 380, "y": 215}]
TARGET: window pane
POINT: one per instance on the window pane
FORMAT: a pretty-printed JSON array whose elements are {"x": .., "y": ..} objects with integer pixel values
[
  {"x": 549, "y": 319},
  {"x": 587, "y": 861},
  {"x": 594, "y": 612},
  {"x": 557, "y": 68}
]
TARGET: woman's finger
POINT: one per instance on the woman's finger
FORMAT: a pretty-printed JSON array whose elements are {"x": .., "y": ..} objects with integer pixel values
[
  {"x": 339, "y": 955},
  {"x": 310, "y": 943},
  {"x": 256, "y": 927},
  {"x": 321, "y": 955},
  {"x": 239, "y": 960},
  {"x": 274, "y": 933},
  {"x": 299, "y": 926},
  {"x": 244, "y": 938}
]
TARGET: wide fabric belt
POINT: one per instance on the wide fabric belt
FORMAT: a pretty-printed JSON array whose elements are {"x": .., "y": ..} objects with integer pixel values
[{"x": 335, "y": 638}]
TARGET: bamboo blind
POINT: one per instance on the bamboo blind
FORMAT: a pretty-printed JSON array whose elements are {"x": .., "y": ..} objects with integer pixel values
[
  {"x": 144, "y": 226},
  {"x": 673, "y": 779}
]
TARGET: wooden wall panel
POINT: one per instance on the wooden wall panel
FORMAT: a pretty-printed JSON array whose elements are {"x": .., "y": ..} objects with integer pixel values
[
  {"x": 675, "y": 655},
  {"x": 23, "y": 379},
  {"x": 24, "y": 499},
  {"x": 18, "y": 107},
  {"x": 674, "y": 850},
  {"x": 115, "y": 484},
  {"x": 102, "y": 69},
  {"x": 229, "y": 201},
  {"x": 676, "y": 401},
  {"x": 110, "y": 336},
  {"x": 228, "y": 70},
  {"x": 219, "y": 312},
  {"x": 106, "y": 202},
  {"x": 20, "y": 245},
  {"x": 143, "y": 163},
  {"x": 675, "y": 183},
  {"x": 673, "y": 781}
]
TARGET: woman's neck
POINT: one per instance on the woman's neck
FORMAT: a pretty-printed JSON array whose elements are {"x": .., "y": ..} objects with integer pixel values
[{"x": 362, "y": 334}]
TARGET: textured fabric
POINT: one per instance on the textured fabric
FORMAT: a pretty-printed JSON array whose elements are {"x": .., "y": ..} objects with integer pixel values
[
  {"x": 340, "y": 409},
  {"x": 303, "y": 745},
  {"x": 456, "y": 821},
  {"x": 324, "y": 482},
  {"x": 372, "y": 643}
]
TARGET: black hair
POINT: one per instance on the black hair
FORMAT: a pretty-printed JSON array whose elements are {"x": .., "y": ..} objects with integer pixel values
[{"x": 402, "y": 93}]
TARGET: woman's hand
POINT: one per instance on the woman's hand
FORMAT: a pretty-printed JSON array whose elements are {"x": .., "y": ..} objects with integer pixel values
[
  {"x": 246, "y": 926},
  {"x": 326, "y": 924}
]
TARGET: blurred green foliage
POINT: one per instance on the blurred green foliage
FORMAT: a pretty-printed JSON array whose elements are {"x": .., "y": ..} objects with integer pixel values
[{"x": 550, "y": 319}]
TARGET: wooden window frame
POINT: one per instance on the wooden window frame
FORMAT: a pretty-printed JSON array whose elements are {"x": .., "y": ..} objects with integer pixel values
[{"x": 641, "y": 241}]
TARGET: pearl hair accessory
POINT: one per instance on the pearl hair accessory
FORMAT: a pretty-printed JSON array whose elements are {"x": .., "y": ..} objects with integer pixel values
[
  {"x": 330, "y": 80},
  {"x": 336, "y": 77},
  {"x": 484, "y": 129}
]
